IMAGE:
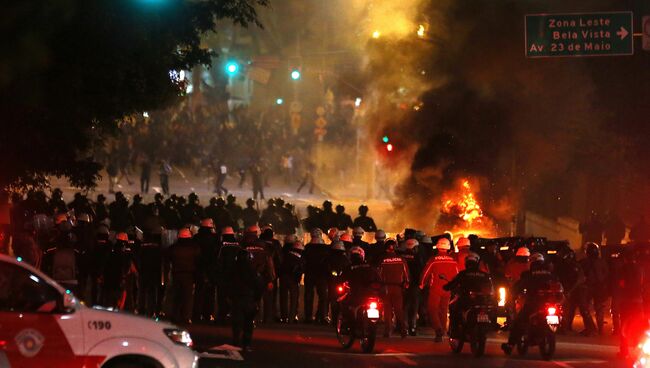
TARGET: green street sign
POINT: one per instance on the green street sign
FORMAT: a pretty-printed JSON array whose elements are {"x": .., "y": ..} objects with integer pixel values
[{"x": 586, "y": 34}]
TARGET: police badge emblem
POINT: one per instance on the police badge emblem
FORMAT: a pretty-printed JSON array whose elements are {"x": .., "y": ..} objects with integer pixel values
[{"x": 29, "y": 342}]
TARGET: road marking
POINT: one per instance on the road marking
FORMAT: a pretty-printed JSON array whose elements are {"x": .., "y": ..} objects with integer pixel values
[
  {"x": 406, "y": 360},
  {"x": 562, "y": 364}
]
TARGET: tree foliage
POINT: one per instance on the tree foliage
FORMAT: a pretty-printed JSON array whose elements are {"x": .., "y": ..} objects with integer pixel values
[{"x": 73, "y": 68}]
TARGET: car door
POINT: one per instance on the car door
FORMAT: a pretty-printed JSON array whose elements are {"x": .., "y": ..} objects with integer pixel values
[{"x": 31, "y": 334}]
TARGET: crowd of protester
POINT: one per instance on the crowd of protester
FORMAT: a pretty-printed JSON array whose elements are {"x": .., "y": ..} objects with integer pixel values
[
  {"x": 213, "y": 142},
  {"x": 222, "y": 263}
]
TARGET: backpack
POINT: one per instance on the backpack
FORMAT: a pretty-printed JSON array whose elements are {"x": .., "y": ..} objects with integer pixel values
[{"x": 64, "y": 265}]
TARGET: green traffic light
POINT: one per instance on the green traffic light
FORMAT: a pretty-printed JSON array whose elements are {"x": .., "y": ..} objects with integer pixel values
[
  {"x": 385, "y": 139},
  {"x": 232, "y": 68},
  {"x": 295, "y": 74}
]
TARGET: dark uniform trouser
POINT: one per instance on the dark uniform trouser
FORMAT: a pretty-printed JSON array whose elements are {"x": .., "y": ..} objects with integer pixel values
[
  {"x": 575, "y": 300},
  {"x": 268, "y": 301},
  {"x": 223, "y": 302},
  {"x": 289, "y": 289},
  {"x": 320, "y": 284},
  {"x": 148, "y": 298},
  {"x": 394, "y": 303},
  {"x": 411, "y": 304},
  {"x": 599, "y": 299},
  {"x": 204, "y": 300},
  {"x": 182, "y": 296},
  {"x": 244, "y": 310}
]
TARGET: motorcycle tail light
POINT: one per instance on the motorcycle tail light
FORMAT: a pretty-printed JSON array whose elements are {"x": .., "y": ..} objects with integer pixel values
[
  {"x": 372, "y": 305},
  {"x": 502, "y": 297},
  {"x": 340, "y": 289},
  {"x": 551, "y": 311}
]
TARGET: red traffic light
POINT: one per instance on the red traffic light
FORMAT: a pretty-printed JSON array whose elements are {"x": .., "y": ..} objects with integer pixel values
[{"x": 389, "y": 147}]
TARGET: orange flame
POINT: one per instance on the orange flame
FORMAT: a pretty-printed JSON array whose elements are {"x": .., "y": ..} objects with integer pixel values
[{"x": 464, "y": 205}]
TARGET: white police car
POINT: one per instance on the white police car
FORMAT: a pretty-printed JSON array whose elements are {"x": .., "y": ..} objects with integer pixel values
[{"x": 43, "y": 325}]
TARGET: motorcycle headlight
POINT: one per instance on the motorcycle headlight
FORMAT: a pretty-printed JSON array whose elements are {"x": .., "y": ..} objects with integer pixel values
[
  {"x": 502, "y": 297},
  {"x": 178, "y": 336}
]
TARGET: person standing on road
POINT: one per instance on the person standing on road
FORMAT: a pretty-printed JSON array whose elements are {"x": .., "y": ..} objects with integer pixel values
[
  {"x": 208, "y": 242},
  {"x": 150, "y": 266},
  {"x": 250, "y": 215},
  {"x": 343, "y": 220},
  {"x": 222, "y": 173},
  {"x": 412, "y": 297},
  {"x": 596, "y": 276},
  {"x": 290, "y": 274},
  {"x": 244, "y": 294},
  {"x": 364, "y": 221},
  {"x": 258, "y": 181},
  {"x": 145, "y": 174},
  {"x": 442, "y": 265},
  {"x": 395, "y": 276},
  {"x": 164, "y": 172},
  {"x": 184, "y": 257},
  {"x": 337, "y": 263},
  {"x": 262, "y": 261},
  {"x": 315, "y": 256},
  {"x": 226, "y": 266}
]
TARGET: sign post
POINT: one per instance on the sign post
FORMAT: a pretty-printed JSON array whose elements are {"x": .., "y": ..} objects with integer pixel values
[
  {"x": 645, "y": 24},
  {"x": 586, "y": 34}
]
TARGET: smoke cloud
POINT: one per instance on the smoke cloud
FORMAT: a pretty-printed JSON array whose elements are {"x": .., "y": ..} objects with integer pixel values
[{"x": 464, "y": 102}]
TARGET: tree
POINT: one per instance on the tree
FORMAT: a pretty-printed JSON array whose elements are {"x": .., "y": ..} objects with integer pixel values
[{"x": 77, "y": 67}]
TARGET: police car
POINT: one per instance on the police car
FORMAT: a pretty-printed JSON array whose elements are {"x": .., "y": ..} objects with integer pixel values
[{"x": 44, "y": 325}]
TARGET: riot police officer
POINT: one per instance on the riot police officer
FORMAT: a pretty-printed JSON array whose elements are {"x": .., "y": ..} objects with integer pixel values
[
  {"x": 184, "y": 256},
  {"x": 314, "y": 257},
  {"x": 290, "y": 274},
  {"x": 596, "y": 276},
  {"x": 438, "y": 300},
  {"x": 395, "y": 276}
]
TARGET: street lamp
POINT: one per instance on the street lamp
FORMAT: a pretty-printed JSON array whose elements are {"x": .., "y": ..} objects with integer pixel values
[{"x": 295, "y": 74}]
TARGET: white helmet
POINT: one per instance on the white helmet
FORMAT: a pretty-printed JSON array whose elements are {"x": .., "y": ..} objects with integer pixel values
[{"x": 443, "y": 244}]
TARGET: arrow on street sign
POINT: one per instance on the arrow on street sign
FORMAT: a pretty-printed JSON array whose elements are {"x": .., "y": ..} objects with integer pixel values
[{"x": 622, "y": 33}]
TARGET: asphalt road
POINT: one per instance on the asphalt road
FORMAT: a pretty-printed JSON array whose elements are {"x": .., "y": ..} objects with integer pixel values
[{"x": 316, "y": 347}]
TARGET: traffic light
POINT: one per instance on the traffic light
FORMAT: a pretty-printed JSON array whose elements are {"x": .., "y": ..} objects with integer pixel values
[
  {"x": 295, "y": 74},
  {"x": 279, "y": 101},
  {"x": 232, "y": 68},
  {"x": 389, "y": 147},
  {"x": 385, "y": 139}
]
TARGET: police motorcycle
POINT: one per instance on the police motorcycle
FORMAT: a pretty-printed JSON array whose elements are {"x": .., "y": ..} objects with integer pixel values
[
  {"x": 543, "y": 323},
  {"x": 364, "y": 324},
  {"x": 475, "y": 324}
]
